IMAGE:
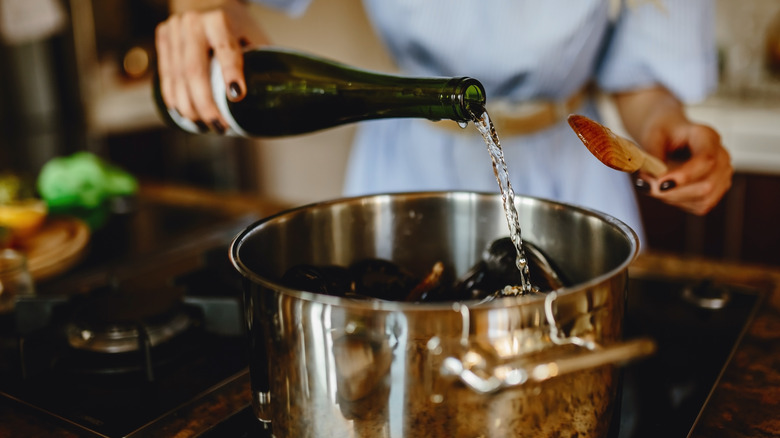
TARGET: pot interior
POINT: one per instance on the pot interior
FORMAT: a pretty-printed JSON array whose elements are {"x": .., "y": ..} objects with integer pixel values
[{"x": 416, "y": 230}]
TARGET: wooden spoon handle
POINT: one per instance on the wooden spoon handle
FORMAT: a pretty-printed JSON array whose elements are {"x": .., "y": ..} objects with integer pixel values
[
  {"x": 650, "y": 163},
  {"x": 653, "y": 165}
]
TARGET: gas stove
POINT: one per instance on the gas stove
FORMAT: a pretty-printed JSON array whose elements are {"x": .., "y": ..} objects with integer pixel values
[
  {"x": 143, "y": 335},
  {"x": 93, "y": 362},
  {"x": 117, "y": 359}
]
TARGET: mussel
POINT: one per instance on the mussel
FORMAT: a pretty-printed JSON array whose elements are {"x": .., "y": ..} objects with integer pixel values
[{"x": 493, "y": 276}]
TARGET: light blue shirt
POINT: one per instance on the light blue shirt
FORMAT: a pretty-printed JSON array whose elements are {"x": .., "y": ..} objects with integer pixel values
[{"x": 523, "y": 50}]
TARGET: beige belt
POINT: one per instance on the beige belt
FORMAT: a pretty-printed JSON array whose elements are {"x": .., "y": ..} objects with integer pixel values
[{"x": 525, "y": 118}]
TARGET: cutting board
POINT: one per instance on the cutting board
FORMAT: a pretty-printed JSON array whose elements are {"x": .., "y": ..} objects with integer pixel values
[{"x": 56, "y": 247}]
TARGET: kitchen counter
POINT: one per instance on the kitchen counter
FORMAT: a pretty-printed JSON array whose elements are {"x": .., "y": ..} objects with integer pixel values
[{"x": 745, "y": 403}]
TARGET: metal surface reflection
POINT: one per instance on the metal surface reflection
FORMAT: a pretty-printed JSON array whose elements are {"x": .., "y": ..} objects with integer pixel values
[{"x": 336, "y": 366}]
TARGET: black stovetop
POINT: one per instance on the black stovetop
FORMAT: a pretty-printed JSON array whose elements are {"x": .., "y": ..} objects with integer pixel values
[
  {"x": 697, "y": 325},
  {"x": 116, "y": 395},
  {"x": 181, "y": 255}
]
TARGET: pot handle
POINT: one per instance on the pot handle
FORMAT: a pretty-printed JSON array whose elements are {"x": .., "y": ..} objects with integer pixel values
[{"x": 509, "y": 375}]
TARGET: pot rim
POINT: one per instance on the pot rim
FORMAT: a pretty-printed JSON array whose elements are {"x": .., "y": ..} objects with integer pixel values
[{"x": 403, "y": 306}]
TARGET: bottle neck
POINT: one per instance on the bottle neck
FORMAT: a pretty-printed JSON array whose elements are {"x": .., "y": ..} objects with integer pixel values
[{"x": 468, "y": 100}]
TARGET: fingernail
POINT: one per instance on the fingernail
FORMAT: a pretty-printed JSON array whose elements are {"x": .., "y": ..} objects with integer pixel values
[
  {"x": 234, "y": 90},
  {"x": 202, "y": 127},
  {"x": 218, "y": 126},
  {"x": 668, "y": 185},
  {"x": 681, "y": 154},
  {"x": 641, "y": 185}
]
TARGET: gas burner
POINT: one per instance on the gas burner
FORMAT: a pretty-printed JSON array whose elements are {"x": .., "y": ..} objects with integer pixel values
[
  {"x": 707, "y": 295},
  {"x": 128, "y": 336},
  {"x": 140, "y": 347},
  {"x": 123, "y": 317}
]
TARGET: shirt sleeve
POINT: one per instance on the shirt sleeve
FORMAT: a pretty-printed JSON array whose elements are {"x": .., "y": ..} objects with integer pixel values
[
  {"x": 294, "y": 8},
  {"x": 671, "y": 42}
]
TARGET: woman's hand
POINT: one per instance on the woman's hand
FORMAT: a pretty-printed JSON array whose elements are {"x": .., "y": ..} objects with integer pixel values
[
  {"x": 187, "y": 41},
  {"x": 697, "y": 184},
  {"x": 700, "y": 168}
]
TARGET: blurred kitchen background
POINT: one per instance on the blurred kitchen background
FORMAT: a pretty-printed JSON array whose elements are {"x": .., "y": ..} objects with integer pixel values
[{"x": 76, "y": 75}]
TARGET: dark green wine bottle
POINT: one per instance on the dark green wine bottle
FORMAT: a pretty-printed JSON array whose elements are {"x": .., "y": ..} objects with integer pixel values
[{"x": 291, "y": 93}]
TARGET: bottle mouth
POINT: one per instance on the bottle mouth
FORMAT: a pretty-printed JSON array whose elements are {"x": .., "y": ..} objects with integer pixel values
[{"x": 472, "y": 98}]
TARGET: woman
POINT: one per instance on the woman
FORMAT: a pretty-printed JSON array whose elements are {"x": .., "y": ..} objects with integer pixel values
[{"x": 536, "y": 61}]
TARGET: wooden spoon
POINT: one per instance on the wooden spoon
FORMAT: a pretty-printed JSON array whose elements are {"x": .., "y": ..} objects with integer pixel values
[{"x": 613, "y": 150}]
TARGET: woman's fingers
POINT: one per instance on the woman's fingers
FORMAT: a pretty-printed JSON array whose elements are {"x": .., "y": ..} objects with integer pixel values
[
  {"x": 196, "y": 64},
  {"x": 164, "y": 68},
  {"x": 186, "y": 43},
  {"x": 227, "y": 51}
]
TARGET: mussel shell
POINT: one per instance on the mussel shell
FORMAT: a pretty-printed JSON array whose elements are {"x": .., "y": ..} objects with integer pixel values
[
  {"x": 329, "y": 280},
  {"x": 381, "y": 279}
]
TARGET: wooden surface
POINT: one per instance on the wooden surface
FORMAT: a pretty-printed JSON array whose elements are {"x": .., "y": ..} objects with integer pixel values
[
  {"x": 57, "y": 246},
  {"x": 228, "y": 202}
]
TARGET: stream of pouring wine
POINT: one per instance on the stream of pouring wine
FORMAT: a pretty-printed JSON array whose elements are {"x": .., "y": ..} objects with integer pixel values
[{"x": 488, "y": 131}]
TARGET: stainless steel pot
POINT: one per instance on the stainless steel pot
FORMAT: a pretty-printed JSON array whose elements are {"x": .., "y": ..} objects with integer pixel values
[{"x": 325, "y": 366}]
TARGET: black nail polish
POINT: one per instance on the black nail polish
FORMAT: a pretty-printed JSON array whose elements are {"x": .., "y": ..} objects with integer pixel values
[
  {"x": 202, "y": 126},
  {"x": 680, "y": 155},
  {"x": 234, "y": 90},
  {"x": 218, "y": 126},
  {"x": 668, "y": 185},
  {"x": 641, "y": 185}
]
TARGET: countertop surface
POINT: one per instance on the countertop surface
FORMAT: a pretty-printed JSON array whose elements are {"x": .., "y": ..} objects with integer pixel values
[{"x": 745, "y": 403}]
